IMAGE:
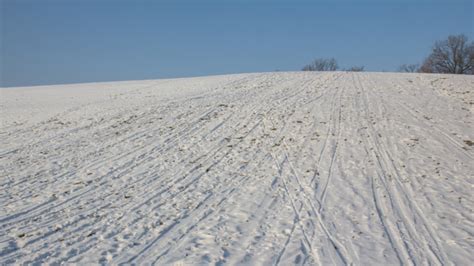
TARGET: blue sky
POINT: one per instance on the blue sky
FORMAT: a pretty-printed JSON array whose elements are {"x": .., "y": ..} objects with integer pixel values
[{"x": 69, "y": 41}]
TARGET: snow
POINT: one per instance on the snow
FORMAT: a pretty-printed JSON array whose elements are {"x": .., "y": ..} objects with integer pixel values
[{"x": 266, "y": 168}]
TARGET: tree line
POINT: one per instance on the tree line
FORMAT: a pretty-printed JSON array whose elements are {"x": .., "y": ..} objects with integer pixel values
[
  {"x": 328, "y": 64},
  {"x": 454, "y": 55}
]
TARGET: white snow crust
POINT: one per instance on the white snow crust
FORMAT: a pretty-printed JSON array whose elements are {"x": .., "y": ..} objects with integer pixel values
[{"x": 290, "y": 168}]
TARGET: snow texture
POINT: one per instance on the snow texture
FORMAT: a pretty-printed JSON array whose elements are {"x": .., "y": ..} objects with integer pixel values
[{"x": 266, "y": 168}]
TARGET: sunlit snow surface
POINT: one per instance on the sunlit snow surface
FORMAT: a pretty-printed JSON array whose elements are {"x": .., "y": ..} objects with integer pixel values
[{"x": 267, "y": 168}]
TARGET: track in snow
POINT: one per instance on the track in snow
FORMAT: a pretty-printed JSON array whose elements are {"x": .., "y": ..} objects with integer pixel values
[{"x": 269, "y": 168}]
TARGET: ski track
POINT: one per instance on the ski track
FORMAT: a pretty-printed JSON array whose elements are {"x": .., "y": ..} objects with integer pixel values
[{"x": 286, "y": 168}]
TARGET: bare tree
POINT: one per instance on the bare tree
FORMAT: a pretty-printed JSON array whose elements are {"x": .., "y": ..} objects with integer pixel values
[
  {"x": 453, "y": 55},
  {"x": 322, "y": 64},
  {"x": 427, "y": 66},
  {"x": 409, "y": 68}
]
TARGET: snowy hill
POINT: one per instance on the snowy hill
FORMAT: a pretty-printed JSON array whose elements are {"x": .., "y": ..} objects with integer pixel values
[{"x": 266, "y": 168}]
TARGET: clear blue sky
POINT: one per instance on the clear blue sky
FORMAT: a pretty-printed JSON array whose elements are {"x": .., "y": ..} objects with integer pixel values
[{"x": 68, "y": 41}]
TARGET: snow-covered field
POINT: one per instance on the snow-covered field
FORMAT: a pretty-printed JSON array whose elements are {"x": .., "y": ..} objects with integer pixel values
[{"x": 266, "y": 168}]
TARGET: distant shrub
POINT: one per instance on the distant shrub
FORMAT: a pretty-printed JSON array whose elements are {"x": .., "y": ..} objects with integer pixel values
[
  {"x": 322, "y": 64},
  {"x": 356, "y": 69},
  {"x": 408, "y": 68}
]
